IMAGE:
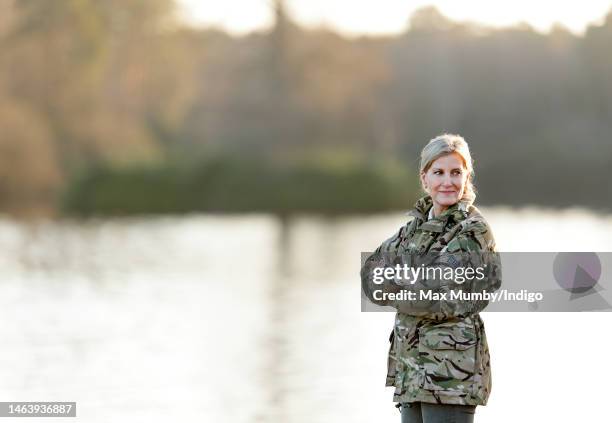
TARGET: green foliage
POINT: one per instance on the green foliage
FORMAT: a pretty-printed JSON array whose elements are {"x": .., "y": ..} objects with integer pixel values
[{"x": 228, "y": 184}]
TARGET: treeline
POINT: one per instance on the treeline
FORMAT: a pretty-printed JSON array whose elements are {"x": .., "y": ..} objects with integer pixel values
[
  {"x": 117, "y": 107},
  {"x": 238, "y": 184}
]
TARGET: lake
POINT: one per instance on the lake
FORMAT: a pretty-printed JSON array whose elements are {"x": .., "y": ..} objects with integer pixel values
[{"x": 255, "y": 319}]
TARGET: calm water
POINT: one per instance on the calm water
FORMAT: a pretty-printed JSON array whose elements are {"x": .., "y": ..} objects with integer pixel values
[{"x": 250, "y": 319}]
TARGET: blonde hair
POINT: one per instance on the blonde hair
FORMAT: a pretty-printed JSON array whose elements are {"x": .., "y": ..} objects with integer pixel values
[{"x": 443, "y": 145}]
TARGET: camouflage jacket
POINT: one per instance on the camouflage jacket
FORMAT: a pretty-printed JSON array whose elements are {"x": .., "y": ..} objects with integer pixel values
[{"x": 440, "y": 354}]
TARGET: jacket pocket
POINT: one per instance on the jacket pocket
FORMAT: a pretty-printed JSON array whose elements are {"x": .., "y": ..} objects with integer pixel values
[{"x": 447, "y": 354}]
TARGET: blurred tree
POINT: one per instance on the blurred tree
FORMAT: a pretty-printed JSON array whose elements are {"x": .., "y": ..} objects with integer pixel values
[
  {"x": 596, "y": 41},
  {"x": 122, "y": 84},
  {"x": 29, "y": 169},
  {"x": 84, "y": 65}
]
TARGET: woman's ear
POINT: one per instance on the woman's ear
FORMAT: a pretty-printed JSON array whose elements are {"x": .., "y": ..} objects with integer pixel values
[
  {"x": 467, "y": 180},
  {"x": 423, "y": 183}
]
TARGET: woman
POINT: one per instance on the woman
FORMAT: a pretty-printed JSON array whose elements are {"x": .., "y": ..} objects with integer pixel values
[{"x": 439, "y": 358}]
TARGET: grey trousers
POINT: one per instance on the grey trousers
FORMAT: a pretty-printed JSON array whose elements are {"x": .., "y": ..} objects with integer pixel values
[{"x": 421, "y": 412}]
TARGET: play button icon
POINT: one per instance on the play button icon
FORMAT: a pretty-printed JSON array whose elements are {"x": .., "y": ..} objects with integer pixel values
[{"x": 577, "y": 273}]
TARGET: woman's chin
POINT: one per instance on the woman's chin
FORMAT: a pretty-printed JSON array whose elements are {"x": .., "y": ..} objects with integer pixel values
[{"x": 446, "y": 201}]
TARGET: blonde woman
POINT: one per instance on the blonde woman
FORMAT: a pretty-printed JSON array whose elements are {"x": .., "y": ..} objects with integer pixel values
[{"x": 439, "y": 358}]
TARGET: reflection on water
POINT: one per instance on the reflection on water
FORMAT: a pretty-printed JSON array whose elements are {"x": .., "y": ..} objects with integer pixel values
[{"x": 237, "y": 319}]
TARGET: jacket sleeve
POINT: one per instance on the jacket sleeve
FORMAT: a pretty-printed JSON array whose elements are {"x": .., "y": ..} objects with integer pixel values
[
  {"x": 473, "y": 247},
  {"x": 380, "y": 258}
]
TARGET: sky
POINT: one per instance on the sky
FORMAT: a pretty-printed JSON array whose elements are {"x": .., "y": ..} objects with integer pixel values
[{"x": 378, "y": 17}]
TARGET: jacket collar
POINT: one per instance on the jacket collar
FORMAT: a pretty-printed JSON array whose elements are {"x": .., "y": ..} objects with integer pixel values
[{"x": 456, "y": 212}]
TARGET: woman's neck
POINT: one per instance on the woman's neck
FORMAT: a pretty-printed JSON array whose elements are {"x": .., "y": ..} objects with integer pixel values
[{"x": 438, "y": 209}]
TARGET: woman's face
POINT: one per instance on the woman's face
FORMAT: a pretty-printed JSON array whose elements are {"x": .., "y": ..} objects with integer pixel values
[{"x": 445, "y": 181}]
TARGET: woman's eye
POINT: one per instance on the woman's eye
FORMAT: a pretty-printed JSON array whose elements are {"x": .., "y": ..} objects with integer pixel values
[
  {"x": 457, "y": 172},
  {"x": 437, "y": 172}
]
